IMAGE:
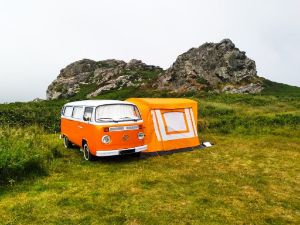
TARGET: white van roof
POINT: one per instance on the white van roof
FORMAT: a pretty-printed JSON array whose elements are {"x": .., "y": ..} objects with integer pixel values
[{"x": 96, "y": 103}]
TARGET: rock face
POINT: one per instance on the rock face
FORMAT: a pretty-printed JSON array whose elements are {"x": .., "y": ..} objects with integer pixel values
[
  {"x": 100, "y": 77},
  {"x": 215, "y": 67},
  {"x": 212, "y": 66}
]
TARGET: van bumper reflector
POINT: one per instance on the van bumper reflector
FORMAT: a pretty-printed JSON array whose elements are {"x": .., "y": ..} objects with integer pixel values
[{"x": 121, "y": 151}]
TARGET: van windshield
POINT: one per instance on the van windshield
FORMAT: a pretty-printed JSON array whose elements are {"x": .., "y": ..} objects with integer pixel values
[{"x": 117, "y": 113}]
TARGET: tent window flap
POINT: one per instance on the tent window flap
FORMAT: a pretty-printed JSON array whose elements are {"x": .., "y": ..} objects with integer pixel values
[{"x": 175, "y": 122}]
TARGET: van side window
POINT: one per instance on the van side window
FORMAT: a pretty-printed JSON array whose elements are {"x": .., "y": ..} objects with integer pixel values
[
  {"x": 78, "y": 112},
  {"x": 68, "y": 111},
  {"x": 88, "y": 112}
]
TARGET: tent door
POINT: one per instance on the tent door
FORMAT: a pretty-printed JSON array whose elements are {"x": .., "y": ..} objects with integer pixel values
[{"x": 173, "y": 124}]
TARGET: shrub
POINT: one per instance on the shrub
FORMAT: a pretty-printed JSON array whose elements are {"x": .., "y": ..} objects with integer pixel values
[
  {"x": 24, "y": 152},
  {"x": 45, "y": 114}
]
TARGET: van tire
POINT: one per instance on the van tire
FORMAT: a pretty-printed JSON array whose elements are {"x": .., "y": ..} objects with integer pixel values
[
  {"x": 67, "y": 142},
  {"x": 87, "y": 155}
]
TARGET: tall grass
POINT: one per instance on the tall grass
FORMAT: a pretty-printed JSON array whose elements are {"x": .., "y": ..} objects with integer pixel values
[
  {"x": 248, "y": 114},
  {"x": 45, "y": 114},
  {"x": 24, "y": 152},
  {"x": 259, "y": 124}
]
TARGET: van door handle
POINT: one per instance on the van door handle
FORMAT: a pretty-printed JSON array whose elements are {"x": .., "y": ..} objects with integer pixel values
[{"x": 80, "y": 127}]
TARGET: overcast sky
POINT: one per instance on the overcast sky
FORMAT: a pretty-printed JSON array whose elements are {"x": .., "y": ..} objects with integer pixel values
[{"x": 38, "y": 38}]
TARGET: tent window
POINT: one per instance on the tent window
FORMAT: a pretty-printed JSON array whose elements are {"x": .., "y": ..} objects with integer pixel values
[{"x": 175, "y": 121}]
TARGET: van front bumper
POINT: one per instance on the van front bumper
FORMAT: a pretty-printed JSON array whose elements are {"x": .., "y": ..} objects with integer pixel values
[{"x": 122, "y": 151}]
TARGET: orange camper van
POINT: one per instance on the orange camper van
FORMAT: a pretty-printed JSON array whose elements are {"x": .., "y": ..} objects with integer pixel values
[
  {"x": 170, "y": 124},
  {"x": 103, "y": 127}
]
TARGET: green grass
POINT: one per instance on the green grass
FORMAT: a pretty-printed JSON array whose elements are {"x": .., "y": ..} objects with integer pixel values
[
  {"x": 24, "y": 152},
  {"x": 243, "y": 179},
  {"x": 250, "y": 175},
  {"x": 149, "y": 75},
  {"x": 84, "y": 91},
  {"x": 278, "y": 89},
  {"x": 45, "y": 114}
]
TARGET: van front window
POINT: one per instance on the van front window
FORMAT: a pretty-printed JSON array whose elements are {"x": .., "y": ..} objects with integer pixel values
[{"x": 117, "y": 113}]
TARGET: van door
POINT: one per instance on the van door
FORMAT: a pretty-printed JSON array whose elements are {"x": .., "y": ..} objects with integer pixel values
[
  {"x": 78, "y": 124},
  {"x": 86, "y": 130},
  {"x": 67, "y": 123}
]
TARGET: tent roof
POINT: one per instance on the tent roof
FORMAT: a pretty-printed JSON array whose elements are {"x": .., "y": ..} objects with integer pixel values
[{"x": 162, "y": 103}]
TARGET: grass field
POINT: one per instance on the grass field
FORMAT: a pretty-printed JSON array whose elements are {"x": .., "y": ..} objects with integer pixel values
[
  {"x": 250, "y": 175},
  {"x": 241, "y": 180}
]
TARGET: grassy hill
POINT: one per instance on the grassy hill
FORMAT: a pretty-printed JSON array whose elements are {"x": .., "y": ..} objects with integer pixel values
[
  {"x": 250, "y": 176},
  {"x": 274, "y": 88}
]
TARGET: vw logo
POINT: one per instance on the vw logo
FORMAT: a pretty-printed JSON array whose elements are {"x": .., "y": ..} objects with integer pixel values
[{"x": 125, "y": 137}]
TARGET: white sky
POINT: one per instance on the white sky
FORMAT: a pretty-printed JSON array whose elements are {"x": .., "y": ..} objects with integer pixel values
[{"x": 38, "y": 38}]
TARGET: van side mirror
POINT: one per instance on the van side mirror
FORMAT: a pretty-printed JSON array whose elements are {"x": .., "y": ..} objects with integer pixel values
[{"x": 86, "y": 118}]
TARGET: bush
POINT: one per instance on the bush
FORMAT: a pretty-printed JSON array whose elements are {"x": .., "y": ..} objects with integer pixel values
[
  {"x": 24, "y": 152},
  {"x": 45, "y": 114}
]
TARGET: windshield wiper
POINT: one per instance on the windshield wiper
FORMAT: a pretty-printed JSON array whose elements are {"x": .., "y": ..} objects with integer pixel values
[
  {"x": 107, "y": 118},
  {"x": 128, "y": 119}
]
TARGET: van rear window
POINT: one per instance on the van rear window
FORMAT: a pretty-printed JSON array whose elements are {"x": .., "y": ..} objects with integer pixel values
[{"x": 68, "y": 111}]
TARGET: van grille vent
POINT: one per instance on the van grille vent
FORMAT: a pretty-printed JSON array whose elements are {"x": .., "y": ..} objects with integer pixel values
[{"x": 135, "y": 127}]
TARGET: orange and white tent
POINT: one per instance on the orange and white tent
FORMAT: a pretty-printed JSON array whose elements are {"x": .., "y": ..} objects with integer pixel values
[{"x": 170, "y": 124}]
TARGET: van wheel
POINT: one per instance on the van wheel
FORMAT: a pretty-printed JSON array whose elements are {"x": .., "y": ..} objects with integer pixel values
[
  {"x": 87, "y": 154},
  {"x": 67, "y": 143}
]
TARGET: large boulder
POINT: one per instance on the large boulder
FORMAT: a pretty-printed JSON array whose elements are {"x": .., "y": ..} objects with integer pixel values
[
  {"x": 69, "y": 79},
  {"x": 211, "y": 66},
  {"x": 100, "y": 76}
]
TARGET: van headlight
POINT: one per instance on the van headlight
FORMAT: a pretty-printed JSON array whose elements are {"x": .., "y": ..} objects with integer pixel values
[
  {"x": 106, "y": 139},
  {"x": 141, "y": 135}
]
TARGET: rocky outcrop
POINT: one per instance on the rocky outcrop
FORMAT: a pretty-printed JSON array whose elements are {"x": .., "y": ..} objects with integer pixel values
[
  {"x": 100, "y": 77},
  {"x": 68, "y": 81},
  {"x": 215, "y": 67},
  {"x": 212, "y": 66},
  {"x": 249, "y": 88}
]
